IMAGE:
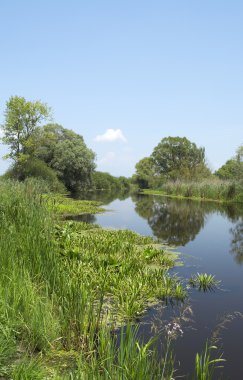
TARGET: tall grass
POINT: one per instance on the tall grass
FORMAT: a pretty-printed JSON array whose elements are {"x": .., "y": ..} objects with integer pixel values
[
  {"x": 208, "y": 189},
  {"x": 66, "y": 287}
]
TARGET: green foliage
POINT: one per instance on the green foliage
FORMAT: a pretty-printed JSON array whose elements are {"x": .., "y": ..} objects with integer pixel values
[
  {"x": 205, "y": 365},
  {"x": 105, "y": 181},
  {"x": 66, "y": 152},
  {"x": 204, "y": 281},
  {"x": 60, "y": 149},
  {"x": 62, "y": 286},
  {"x": 144, "y": 176},
  {"x": 62, "y": 205},
  {"x": 131, "y": 359},
  {"x": 35, "y": 168},
  {"x": 177, "y": 157},
  {"x": 212, "y": 189},
  {"x": 239, "y": 153},
  {"x": 233, "y": 168},
  {"x": 29, "y": 369},
  {"x": 22, "y": 117}
]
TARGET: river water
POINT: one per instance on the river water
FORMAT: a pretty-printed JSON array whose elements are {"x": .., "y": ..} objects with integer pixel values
[{"x": 209, "y": 237}]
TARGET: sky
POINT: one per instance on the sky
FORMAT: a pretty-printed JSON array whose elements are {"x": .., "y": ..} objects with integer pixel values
[{"x": 125, "y": 73}]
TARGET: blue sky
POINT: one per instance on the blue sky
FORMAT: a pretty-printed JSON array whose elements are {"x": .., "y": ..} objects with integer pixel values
[{"x": 129, "y": 72}]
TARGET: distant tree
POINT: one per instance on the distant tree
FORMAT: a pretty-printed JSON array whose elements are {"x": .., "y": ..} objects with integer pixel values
[
  {"x": 66, "y": 152},
  {"x": 233, "y": 168},
  {"x": 106, "y": 181},
  {"x": 144, "y": 175},
  {"x": 22, "y": 117},
  {"x": 124, "y": 183},
  {"x": 239, "y": 154},
  {"x": 177, "y": 157}
]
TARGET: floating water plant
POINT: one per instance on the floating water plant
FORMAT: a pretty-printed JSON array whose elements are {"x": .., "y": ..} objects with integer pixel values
[{"x": 63, "y": 205}]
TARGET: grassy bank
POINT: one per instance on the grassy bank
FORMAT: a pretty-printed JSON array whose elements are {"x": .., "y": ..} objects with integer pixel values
[
  {"x": 66, "y": 287},
  {"x": 220, "y": 191},
  {"x": 70, "y": 294}
]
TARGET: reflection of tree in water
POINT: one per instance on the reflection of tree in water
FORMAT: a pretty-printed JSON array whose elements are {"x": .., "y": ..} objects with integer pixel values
[
  {"x": 237, "y": 241},
  {"x": 177, "y": 222},
  {"x": 233, "y": 211},
  {"x": 104, "y": 196}
]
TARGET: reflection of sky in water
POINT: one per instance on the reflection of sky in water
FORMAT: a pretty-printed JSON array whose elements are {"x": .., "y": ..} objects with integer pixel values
[
  {"x": 210, "y": 236},
  {"x": 122, "y": 215}
]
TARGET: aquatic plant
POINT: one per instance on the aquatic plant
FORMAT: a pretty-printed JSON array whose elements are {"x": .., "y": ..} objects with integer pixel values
[
  {"x": 61, "y": 204},
  {"x": 204, "y": 282},
  {"x": 206, "y": 365}
]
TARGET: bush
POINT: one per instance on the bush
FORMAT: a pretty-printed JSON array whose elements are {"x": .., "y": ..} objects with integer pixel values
[{"x": 37, "y": 169}]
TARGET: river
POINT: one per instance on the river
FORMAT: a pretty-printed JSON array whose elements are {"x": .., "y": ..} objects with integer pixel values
[{"x": 209, "y": 237}]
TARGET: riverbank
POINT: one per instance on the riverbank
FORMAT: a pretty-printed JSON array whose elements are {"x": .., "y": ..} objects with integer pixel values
[
  {"x": 203, "y": 191},
  {"x": 68, "y": 288}
]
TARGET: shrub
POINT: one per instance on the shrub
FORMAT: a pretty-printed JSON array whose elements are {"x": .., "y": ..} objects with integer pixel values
[{"x": 37, "y": 169}]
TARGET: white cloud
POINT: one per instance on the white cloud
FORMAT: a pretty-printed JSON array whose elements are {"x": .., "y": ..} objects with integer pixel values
[{"x": 111, "y": 135}]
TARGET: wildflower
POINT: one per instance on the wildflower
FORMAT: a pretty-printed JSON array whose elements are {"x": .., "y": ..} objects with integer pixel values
[{"x": 173, "y": 330}]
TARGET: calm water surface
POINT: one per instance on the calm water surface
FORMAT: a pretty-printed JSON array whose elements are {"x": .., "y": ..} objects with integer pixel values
[{"x": 210, "y": 239}]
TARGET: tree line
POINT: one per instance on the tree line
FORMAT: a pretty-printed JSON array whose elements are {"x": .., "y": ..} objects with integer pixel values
[
  {"x": 177, "y": 158},
  {"x": 61, "y": 157},
  {"x": 51, "y": 152}
]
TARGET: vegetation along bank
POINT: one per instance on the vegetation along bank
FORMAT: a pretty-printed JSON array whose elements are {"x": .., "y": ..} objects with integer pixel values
[
  {"x": 71, "y": 293},
  {"x": 69, "y": 288}
]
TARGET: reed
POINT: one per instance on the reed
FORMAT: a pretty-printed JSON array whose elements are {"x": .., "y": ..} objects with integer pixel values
[
  {"x": 206, "y": 364},
  {"x": 213, "y": 189}
]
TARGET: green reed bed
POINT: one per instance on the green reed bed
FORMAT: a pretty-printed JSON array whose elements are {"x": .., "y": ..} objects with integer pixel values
[{"x": 208, "y": 190}]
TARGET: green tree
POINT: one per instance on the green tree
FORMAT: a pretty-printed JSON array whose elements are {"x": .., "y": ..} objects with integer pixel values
[
  {"x": 233, "y": 168},
  {"x": 22, "y": 117},
  {"x": 106, "y": 181},
  {"x": 239, "y": 154},
  {"x": 144, "y": 176},
  {"x": 177, "y": 157},
  {"x": 66, "y": 152}
]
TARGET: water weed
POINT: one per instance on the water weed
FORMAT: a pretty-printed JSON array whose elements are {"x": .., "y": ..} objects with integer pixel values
[
  {"x": 62, "y": 204},
  {"x": 204, "y": 282}
]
